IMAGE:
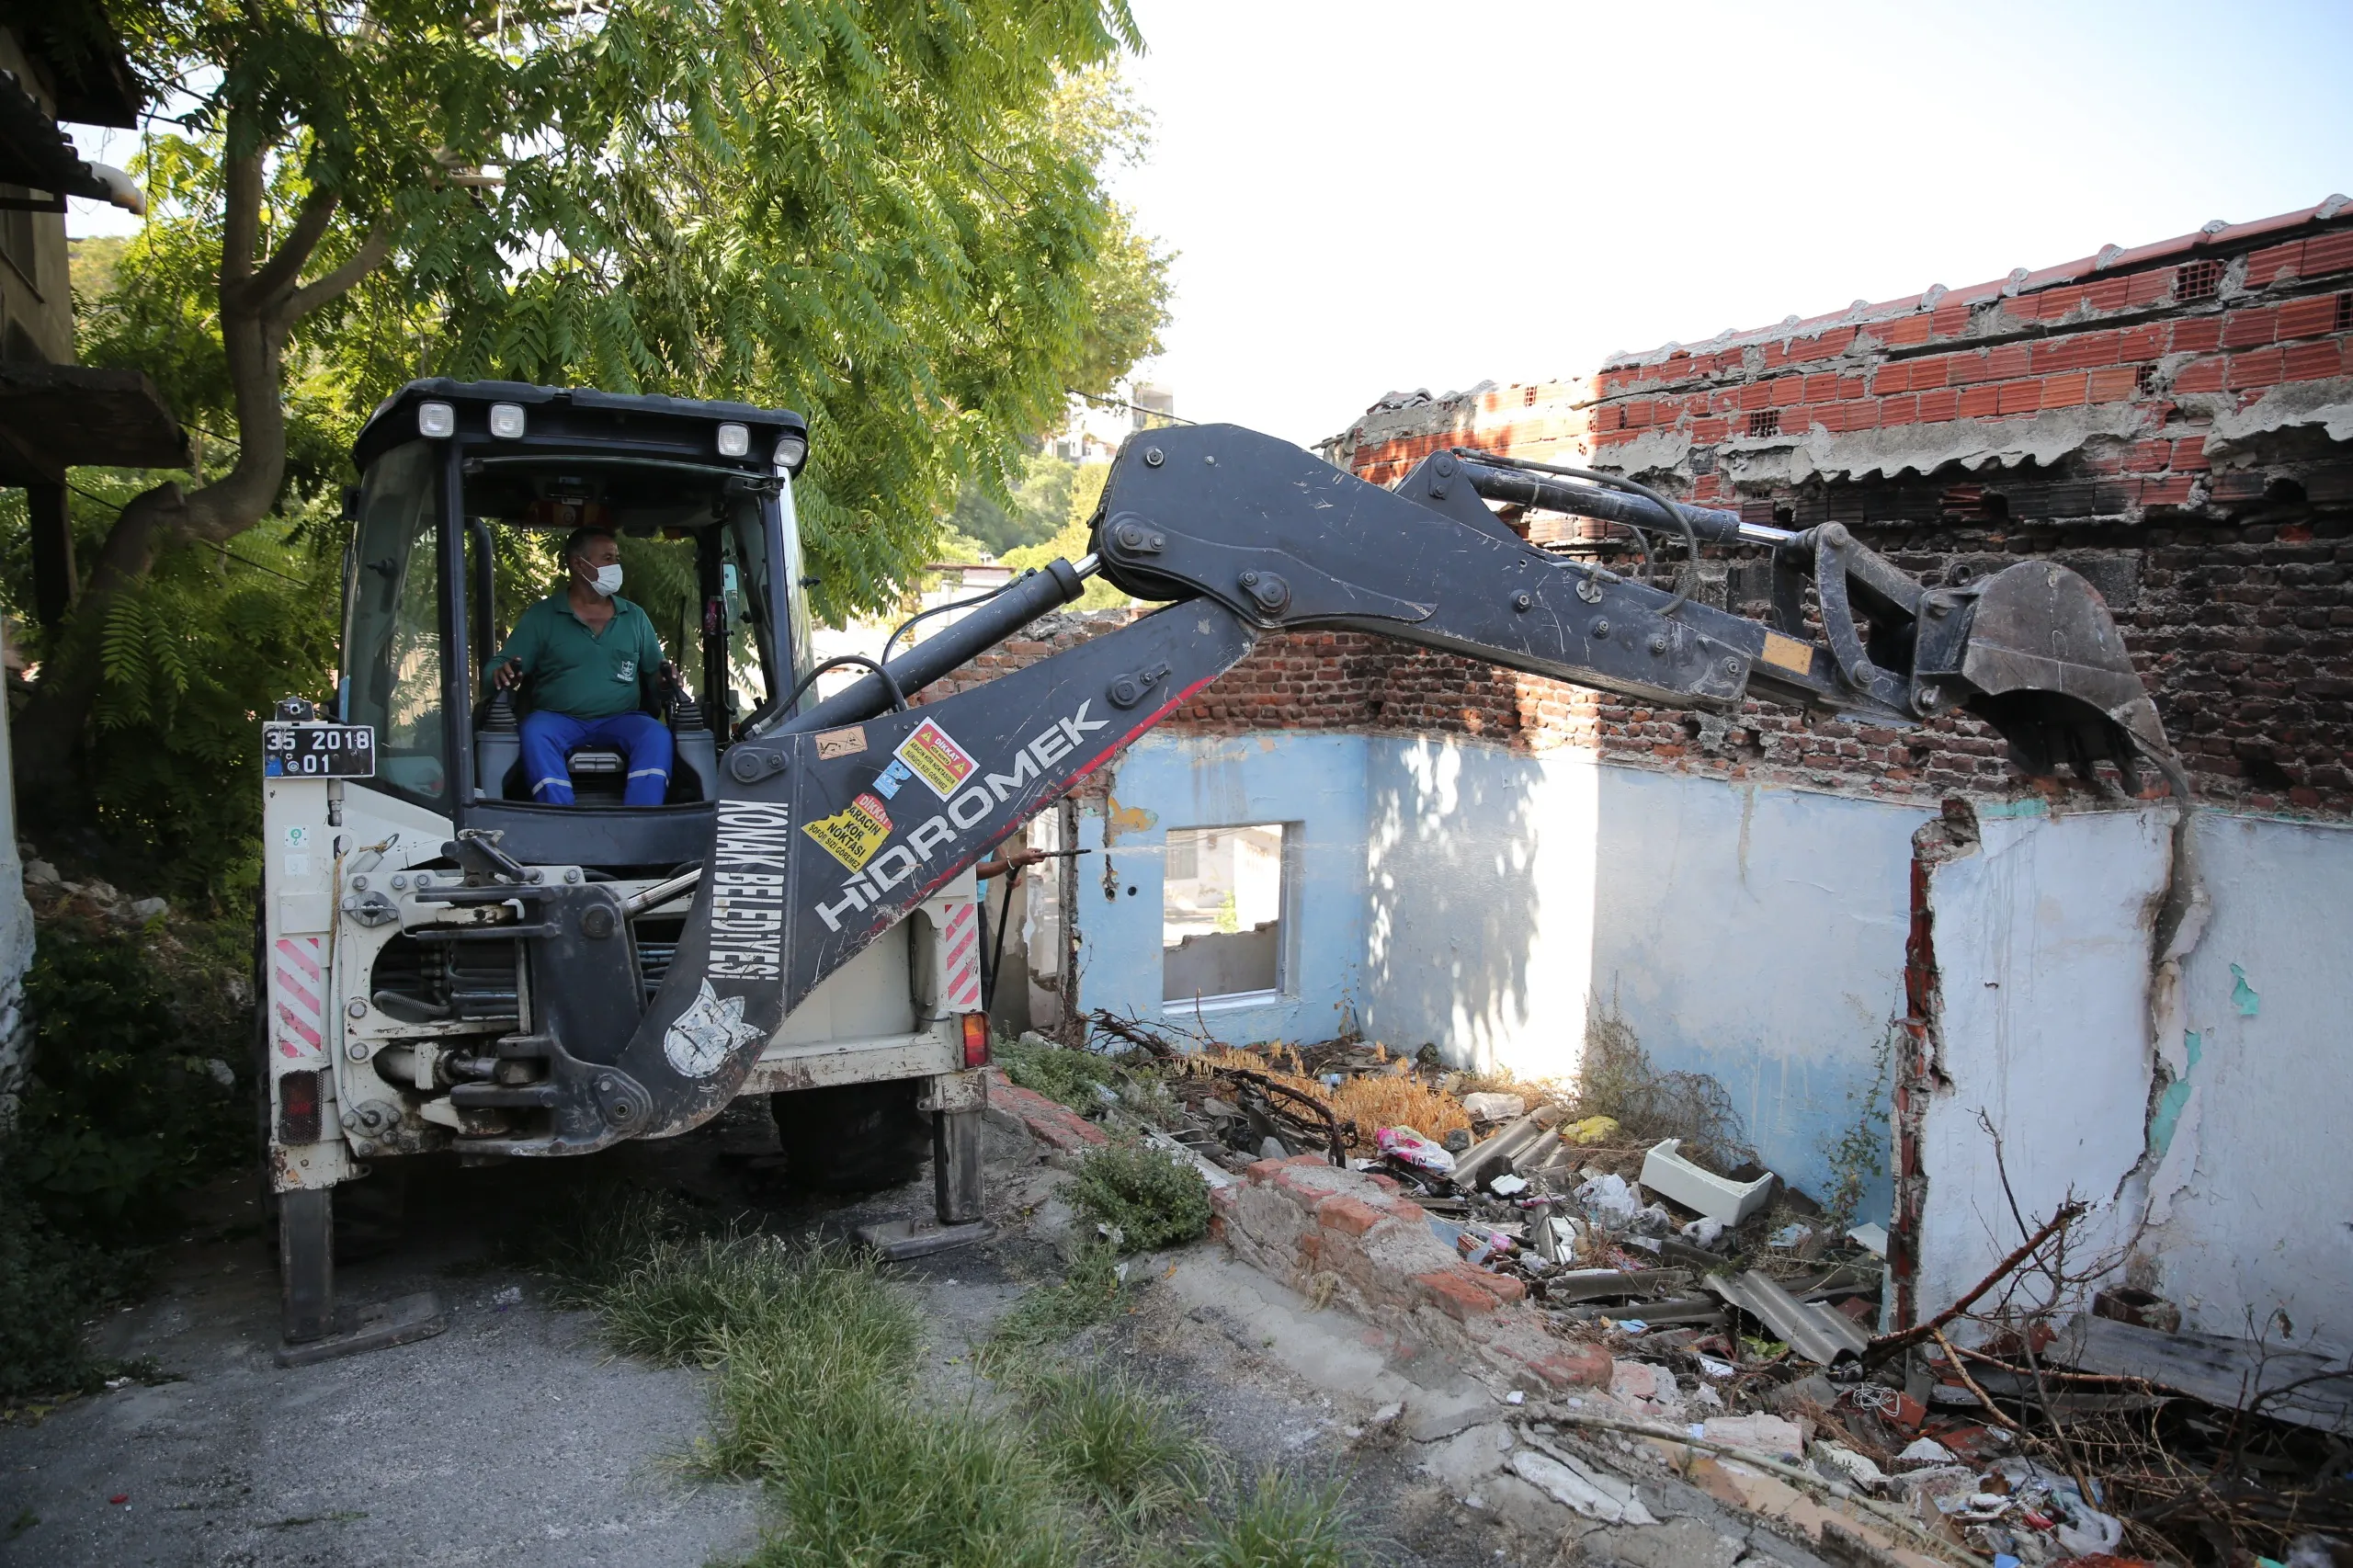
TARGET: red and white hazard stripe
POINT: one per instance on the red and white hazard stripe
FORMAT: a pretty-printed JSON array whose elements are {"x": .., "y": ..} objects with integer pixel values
[
  {"x": 960, "y": 948},
  {"x": 298, "y": 999}
]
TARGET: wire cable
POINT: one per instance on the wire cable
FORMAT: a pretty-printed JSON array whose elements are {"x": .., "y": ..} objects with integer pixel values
[
  {"x": 219, "y": 549},
  {"x": 942, "y": 609}
]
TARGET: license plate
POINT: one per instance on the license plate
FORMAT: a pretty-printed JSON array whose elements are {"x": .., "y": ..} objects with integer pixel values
[{"x": 318, "y": 751}]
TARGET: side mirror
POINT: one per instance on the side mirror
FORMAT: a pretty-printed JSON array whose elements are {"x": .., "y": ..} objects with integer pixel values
[{"x": 351, "y": 502}]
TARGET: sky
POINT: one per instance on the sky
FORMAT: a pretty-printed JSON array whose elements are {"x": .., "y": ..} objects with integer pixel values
[
  {"x": 1377, "y": 195},
  {"x": 1373, "y": 196}
]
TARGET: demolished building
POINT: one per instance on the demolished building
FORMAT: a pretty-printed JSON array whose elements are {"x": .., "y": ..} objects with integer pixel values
[{"x": 1345, "y": 836}]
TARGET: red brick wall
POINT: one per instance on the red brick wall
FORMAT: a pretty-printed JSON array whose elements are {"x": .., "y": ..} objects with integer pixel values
[{"x": 2107, "y": 412}]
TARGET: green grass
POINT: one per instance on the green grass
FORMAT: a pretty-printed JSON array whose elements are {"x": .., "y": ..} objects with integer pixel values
[
  {"x": 1077, "y": 1077},
  {"x": 1093, "y": 1291},
  {"x": 1150, "y": 1200},
  {"x": 812, "y": 1356},
  {"x": 1133, "y": 1453},
  {"x": 1282, "y": 1522}
]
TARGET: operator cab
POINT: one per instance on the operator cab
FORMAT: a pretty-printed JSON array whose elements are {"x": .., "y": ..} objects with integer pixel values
[{"x": 467, "y": 490}]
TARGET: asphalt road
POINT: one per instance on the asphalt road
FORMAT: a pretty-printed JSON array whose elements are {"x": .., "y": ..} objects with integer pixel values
[
  {"x": 515, "y": 1437},
  {"x": 512, "y": 1437}
]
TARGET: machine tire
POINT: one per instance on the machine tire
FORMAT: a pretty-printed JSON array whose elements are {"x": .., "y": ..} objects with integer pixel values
[{"x": 854, "y": 1137}]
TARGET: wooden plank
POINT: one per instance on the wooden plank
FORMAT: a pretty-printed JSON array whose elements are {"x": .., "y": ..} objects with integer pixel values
[
  {"x": 2218, "y": 1370},
  {"x": 73, "y": 416}
]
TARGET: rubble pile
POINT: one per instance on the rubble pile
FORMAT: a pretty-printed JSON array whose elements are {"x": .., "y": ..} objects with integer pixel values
[{"x": 1652, "y": 1291}]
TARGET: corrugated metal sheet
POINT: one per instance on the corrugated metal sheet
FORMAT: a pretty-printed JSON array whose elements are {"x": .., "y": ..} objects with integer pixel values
[{"x": 1819, "y": 1333}]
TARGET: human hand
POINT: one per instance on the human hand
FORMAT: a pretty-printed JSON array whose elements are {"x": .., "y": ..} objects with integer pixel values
[{"x": 507, "y": 675}]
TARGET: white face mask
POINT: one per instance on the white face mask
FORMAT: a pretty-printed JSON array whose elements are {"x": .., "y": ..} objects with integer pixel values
[{"x": 608, "y": 580}]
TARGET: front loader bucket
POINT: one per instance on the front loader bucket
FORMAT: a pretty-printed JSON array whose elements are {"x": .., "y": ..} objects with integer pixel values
[{"x": 2052, "y": 675}]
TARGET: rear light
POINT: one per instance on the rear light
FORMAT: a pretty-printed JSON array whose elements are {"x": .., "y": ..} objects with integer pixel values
[
  {"x": 298, "y": 1106},
  {"x": 976, "y": 1039}
]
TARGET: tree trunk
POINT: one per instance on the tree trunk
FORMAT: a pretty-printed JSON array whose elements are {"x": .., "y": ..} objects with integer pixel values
[{"x": 259, "y": 309}]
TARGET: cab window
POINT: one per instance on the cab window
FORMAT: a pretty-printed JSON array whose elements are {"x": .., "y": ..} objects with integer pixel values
[{"x": 393, "y": 644}]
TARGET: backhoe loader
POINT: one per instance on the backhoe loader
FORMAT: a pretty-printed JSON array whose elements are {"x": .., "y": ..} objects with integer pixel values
[{"x": 446, "y": 964}]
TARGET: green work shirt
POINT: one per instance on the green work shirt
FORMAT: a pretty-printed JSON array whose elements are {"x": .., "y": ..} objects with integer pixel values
[{"x": 569, "y": 669}]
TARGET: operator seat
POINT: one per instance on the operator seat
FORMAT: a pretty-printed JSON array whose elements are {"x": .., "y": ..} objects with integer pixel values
[{"x": 599, "y": 773}]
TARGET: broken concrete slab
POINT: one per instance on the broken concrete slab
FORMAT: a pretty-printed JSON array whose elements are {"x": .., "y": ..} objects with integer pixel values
[
  {"x": 1463, "y": 1461},
  {"x": 1682, "y": 1542},
  {"x": 1594, "y": 1492}
]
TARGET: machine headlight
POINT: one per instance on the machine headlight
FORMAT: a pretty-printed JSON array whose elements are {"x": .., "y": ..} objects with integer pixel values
[
  {"x": 506, "y": 421},
  {"x": 436, "y": 421},
  {"x": 790, "y": 451},
  {"x": 734, "y": 440}
]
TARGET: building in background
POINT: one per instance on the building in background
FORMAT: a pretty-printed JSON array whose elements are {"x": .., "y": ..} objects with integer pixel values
[
  {"x": 60, "y": 62},
  {"x": 1841, "y": 922}
]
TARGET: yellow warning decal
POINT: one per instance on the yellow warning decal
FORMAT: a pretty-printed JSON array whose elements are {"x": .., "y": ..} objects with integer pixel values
[
  {"x": 852, "y": 835},
  {"x": 935, "y": 758},
  {"x": 1788, "y": 653}
]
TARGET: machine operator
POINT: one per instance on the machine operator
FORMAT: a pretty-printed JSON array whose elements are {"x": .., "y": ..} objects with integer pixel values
[{"x": 588, "y": 655}]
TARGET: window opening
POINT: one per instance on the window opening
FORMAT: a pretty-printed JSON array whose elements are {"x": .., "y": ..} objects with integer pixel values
[
  {"x": 1223, "y": 900},
  {"x": 1765, "y": 422},
  {"x": 2344, "y": 322}
]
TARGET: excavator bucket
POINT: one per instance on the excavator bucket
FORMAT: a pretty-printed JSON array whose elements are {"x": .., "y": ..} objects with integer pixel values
[{"x": 2052, "y": 673}]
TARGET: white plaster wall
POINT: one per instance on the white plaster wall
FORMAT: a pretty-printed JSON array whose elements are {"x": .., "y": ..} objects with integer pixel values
[
  {"x": 1753, "y": 933},
  {"x": 2252, "y": 1204},
  {"x": 2042, "y": 940},
  {"x": 1479, "y": 864},
  {"x": 1757, "y": 935}
]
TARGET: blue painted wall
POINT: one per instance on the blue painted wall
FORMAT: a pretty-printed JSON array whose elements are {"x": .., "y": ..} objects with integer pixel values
[
  {"x": 1314, "y": 784},
  {"x": 1487, "y": 900}
]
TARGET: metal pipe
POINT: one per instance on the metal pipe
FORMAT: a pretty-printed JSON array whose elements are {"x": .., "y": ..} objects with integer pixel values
[
  {"x": 943, "y": 651},
  {"x": 661, "y": 893},
  {"x": 1712, "y": 524}
]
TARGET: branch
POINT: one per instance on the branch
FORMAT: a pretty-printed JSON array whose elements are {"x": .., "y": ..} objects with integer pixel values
[
  {"x": 277, "y": 275},
  {"x": 373, "y": 249},
  {"x": 1887, "y": 1344}
]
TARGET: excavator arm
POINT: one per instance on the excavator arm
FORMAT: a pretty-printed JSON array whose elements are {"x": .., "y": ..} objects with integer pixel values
[{"x": 836, "y": 824}]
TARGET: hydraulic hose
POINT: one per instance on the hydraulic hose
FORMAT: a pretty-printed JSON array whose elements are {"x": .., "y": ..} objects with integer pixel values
[{"x": 1001, "y": 616}]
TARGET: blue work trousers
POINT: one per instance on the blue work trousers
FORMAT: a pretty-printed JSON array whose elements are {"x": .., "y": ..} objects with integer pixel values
[{"x": 641, "y": 737}]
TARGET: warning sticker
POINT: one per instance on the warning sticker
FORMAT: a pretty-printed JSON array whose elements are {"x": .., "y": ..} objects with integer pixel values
[
  {"x": 841, "y": 743},
  {"x": 852, "y": 835},
  {"x": 935, "y": 758},
  {"x": 1787, "y": 653}
]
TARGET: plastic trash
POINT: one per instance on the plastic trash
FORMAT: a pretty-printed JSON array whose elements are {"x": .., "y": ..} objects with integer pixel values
[
  {"x": 1609, "y": 1198},
  {"x": 1704, "y": 1232},
  {"x": 1508, "y": 1185},
  {"x": 1788, "y": 1236},
  {"x": 1494, "y": 1107},
  {"x": 1592, "y": 1129},
  {"x": 1409, "y": 1147},
  {"x": 1925, "y": 1450}
]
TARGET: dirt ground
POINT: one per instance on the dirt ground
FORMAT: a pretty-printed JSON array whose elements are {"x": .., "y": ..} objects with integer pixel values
[{"x": 515, "y": 1438}]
